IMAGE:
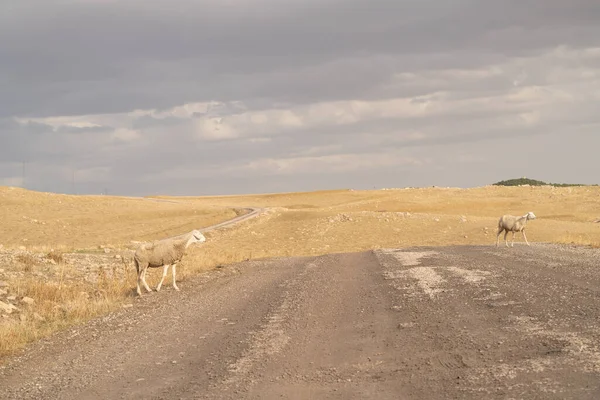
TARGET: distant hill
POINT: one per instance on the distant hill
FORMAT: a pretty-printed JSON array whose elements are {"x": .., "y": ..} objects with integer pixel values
[{"x": 534, "y": 182}]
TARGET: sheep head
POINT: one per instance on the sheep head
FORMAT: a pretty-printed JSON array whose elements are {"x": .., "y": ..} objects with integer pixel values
[{"x": 531, "y": 215}]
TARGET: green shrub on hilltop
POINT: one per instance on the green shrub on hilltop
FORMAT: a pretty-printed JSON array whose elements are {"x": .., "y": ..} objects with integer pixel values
[
  {"x": 521, "y": 181},
  {"x": 534, "y": 182}
]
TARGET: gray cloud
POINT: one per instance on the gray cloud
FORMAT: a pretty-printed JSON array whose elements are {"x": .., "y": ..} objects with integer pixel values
[
  {"x": 112, "y": 89},
  {"x": 115, "y": 56}
]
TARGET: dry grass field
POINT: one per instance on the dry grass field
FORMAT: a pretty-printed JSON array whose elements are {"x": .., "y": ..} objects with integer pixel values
[
  {"x": 77, "y": 280},
  {"x": 344, "y": 220},
  {"x": 62, "y": 258},
  {"x": 48, "y": 220}
]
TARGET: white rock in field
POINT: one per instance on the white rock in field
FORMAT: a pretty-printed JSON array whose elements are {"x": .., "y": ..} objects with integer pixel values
[
  {"x": 7, "y": 308},
  {"x": 27, "y": 300}
]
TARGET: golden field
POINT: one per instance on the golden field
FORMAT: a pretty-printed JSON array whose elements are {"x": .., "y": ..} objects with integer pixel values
[
  {"x": 48, "y": 220},
  {"x": 294, "y": 224},
  {"x": 344, "y": 220}
]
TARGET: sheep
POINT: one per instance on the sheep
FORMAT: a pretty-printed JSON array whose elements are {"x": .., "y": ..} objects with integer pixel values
[
  {"x": 163, "y": 253},
  {"x": 513, "y": 224}
]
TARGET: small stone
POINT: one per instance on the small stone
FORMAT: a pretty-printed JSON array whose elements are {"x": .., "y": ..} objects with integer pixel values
[
  {"x": 27, "y": 300},
  {"x": 23, "y": 317},
  {"x": 406, "y": 325},
  {"x": 11, "y": 298},
  {"x": 3, "y": 292},
  {"x": 118, "y": 256},
  {"x": 3, "y": 284},
  {"x": 22, "y": 248},
  {"x": 106, "y": 250},
  {"x": 127, "y": 305}
]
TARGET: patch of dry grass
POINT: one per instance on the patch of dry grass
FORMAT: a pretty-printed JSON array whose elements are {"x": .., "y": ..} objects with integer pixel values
[
  {"x": 59, "y": 304},
  {"x": 27, "y": 261},
  {"x": 56, "y": 256}
]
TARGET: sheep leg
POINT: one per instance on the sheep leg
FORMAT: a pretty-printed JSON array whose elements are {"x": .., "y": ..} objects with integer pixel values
[
  {"x": 165, "y": 270},
  {"x": 173, "y": 270},
  {"x": 513, "y": 239},
  {"x": 505, "y": 236},
  {"x": 139, "y": 280},
  {"x": 144, "y": 280},
  {"x": 498, "y": 236},
  {"x": 525, "y": 237}
]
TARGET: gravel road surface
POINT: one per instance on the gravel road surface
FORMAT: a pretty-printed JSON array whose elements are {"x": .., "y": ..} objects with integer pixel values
[{"x": 468, "y": 322}]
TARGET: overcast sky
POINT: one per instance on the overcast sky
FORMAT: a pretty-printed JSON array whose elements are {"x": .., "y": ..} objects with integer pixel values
[{"x": 194, "y": 97}]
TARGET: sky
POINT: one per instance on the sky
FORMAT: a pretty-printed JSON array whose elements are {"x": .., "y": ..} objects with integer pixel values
[{"x": 210, "y": 97}]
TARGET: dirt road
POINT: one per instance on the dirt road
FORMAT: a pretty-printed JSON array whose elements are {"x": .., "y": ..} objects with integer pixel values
[
  {"x": 251, "y": 213},
  {"x": 426, "y": 323}
]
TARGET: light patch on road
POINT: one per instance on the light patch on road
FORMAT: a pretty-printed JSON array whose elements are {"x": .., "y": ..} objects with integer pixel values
[
  {"x": 577, "y": 351},
  {"x": 272, "y": 337},
  {"x": 571, "y": 350},
  {"x": 270, "y": 340},
  {"x": 428, "y": 280}
]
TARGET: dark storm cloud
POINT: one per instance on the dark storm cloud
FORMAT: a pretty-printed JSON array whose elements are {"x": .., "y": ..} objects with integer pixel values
[{"x": 80, "y": 57}]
